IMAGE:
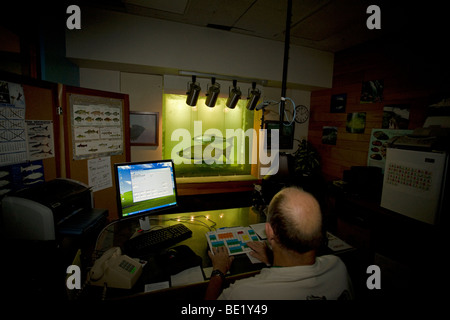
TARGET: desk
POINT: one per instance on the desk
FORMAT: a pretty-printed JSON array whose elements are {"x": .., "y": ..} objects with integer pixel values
[
  {"x": 365, "y": 224},
  {"x": 116, "y": 235},
  {"x": 406, "y": 250}
]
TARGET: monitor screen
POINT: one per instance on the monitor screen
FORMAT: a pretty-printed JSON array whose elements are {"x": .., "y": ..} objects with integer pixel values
[{"x": 145, "y": 187}]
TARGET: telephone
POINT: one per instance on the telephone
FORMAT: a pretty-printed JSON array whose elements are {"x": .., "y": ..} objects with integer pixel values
[{"x": 115, "y": 270}]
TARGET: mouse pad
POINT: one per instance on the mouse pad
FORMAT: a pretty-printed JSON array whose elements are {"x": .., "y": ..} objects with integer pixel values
[{"x": 177, "y": 259}]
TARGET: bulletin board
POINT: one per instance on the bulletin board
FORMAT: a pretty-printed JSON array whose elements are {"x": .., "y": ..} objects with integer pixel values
[
  {"x": 42, "y": 106},
  {"x": 96, "y": 134},
  {"x": 29, "y": 129}
]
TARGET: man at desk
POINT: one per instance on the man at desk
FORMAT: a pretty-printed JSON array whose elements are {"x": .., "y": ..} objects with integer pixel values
[{"x": 294, "y": 233}]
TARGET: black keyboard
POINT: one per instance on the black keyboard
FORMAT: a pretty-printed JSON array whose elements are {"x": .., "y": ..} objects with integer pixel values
[{"x": 155, "y": 240}]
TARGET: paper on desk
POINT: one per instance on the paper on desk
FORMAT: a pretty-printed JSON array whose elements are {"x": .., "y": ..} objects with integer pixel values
[
  {"x": 156, "y": 286},
  {"x": 207, "y": 271},
  {"x": 188, "y": 276},
  {"x": 253, "y": 259},
  {"x": 260, "y": 229},
  {"x": 336, "y": 244}
]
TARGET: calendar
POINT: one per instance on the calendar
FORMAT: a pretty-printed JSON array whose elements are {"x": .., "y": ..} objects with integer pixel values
[
  {"x": 412, "y": 184},
  {"x": 398, "y": 174},
  {"x": 234, "y": 239}
]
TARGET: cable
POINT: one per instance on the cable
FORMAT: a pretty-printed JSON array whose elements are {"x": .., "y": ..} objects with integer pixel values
[
  {"x": 293, "y": 113},
  {"x": 194, "y": 220},
  {"x": 100, "y": 233},
  {"x": 105, "y": 288},
  {"x": 191, "y": 220},
  {"x": 267, "y": 103}
]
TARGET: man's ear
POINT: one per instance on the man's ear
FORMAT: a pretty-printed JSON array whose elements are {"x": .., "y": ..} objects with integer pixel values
[{"x": 269, "y": 231}]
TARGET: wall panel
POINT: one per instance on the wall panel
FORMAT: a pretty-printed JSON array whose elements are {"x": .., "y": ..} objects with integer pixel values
[{"x": 406, "y": 81}]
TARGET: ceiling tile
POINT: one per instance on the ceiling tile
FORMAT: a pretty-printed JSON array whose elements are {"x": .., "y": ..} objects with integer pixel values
[
  {"x": 173, "y": 6},
  {"x": 331, "y": 19},
  {"x": 330, "y": 25}
]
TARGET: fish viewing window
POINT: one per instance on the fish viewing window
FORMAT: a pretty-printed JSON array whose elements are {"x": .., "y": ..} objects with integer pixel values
[{"x": 204, "y": 141}]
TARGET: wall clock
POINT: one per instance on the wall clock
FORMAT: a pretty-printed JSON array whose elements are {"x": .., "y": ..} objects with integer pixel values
[{"x": 301, "y": 114}]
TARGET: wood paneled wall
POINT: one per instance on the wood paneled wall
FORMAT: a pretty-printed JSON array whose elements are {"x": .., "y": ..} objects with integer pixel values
[{"x": 411, "y": 76}]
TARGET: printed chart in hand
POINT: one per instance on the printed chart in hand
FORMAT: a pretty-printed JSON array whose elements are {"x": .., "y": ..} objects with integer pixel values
[{"x": 234, "y": 239}]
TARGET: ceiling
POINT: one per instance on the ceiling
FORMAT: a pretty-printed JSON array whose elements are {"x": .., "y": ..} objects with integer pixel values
[{"x": 329, "y": 25}]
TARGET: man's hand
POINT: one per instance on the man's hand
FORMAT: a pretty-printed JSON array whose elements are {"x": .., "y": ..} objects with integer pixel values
[
  {"x": 260, "y": 251},
  {"x": 221, "y": 260}
]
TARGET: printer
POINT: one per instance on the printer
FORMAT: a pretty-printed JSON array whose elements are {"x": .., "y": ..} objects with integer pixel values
[{"x": 49, "y": 211}]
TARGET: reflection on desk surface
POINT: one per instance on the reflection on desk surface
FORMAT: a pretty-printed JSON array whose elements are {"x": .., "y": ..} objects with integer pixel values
[
  {"x": 156, "y": 276},
  {"x": 200, "y": 223}
]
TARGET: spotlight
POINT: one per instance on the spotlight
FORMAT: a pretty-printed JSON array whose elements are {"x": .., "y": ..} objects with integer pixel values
[
  {"x": 234, "y": 96},
  {"x": 213, "y": 93},
  {"x": 193, "y": 92},
  {"x": 253, "y": 97}
]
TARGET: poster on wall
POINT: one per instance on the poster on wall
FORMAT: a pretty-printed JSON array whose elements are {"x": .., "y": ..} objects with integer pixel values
[
  {"x": 18, "y": 176},
  {"x": 329, "y": 135},
  {"x": 99, "y": 173},
  {"x": 40, "y": 139},
  {"x": 338, "y": 103},
  {"x": 13, "y": 139},
  {"x": 356, "y": 122},
  {"x": 372, "y": 91},
  {"x": 378, "y": 143},
  {"x": 97, "y": 127},
  {"x": 396, "y": 116}
]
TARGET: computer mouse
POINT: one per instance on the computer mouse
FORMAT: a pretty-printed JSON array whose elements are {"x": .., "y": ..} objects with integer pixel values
[
  {"x": 179, "y": 258},
  {"x": 171, "y": 253}
]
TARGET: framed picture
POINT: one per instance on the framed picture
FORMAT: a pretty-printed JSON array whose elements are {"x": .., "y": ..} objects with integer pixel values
[
  {"x": 143, "y": 128},
  {"x": 329, "y": 135},
  {"x": 395, "y": 116},
  {"x": 338, "y": 103},
  {"x": 372, "y": 91},
  {"x": 356, "y": 122}
]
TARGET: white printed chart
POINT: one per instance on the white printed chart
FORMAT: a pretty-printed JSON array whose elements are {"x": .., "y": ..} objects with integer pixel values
[
  {"x": 40, "y": 139},
  {"x": 97, "y": 128},
  {"x": 13, "y": 144},
  {"x": 234, "y": 239}
]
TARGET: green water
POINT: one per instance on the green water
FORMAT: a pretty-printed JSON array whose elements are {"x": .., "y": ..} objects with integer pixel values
[{"x": 208, "y": 149}]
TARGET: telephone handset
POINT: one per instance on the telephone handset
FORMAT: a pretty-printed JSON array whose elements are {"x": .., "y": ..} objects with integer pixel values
[{"x": 115, "y": 270}]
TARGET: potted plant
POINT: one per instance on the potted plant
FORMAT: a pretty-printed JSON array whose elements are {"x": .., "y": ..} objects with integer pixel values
[{"x": 306, "y": 159}]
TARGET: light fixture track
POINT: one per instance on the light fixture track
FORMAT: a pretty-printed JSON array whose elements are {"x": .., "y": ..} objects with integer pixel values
[{"x": 221, "y": 77}]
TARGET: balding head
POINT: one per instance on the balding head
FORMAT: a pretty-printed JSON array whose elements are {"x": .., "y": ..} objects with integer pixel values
[{"x": 296, "y": 220}]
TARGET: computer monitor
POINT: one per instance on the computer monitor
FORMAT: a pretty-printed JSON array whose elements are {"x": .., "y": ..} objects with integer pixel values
[{"x": 144, "y": 188}]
